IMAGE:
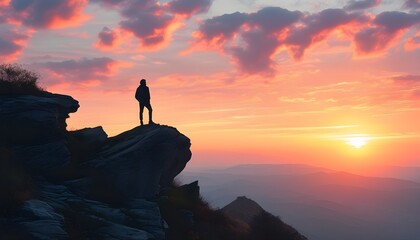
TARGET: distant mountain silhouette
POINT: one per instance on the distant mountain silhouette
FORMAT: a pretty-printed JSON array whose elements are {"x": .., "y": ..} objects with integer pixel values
[
  {"x": 243, "y": 209},
  {"x": 260, "y": 224},
  {"x": 270, "y": 169}
]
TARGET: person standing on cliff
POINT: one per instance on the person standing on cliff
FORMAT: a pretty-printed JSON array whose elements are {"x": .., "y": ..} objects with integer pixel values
[{"x": 143, "y": 96}]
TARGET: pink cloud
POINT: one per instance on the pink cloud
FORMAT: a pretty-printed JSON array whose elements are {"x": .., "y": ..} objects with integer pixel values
[
  {"x": 259, "y": 32},
  {"x": 413, "y": 43},
  {"x": 148, "y": 27},
  {"x": 12, "y": 44},
  {"x": 316, "y": 28},
  {"x": 388, "y": 26},
  {"x": 40, "y": 14},
  {"x": 80, "y": 71},
  {"x": 252, "y": 40},
  {"x": 151, "y": 22},
  {"x": 407, "y": 78}
]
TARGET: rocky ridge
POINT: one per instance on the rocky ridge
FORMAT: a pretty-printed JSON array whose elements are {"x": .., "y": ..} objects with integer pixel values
[{"x": 82, "y": 184}]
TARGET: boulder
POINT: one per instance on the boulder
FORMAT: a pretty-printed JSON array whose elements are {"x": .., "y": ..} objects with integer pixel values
[
  {"x": 33, "y": 127},
  {"x": 143, "y": 160},
  {"x": 35, "y": 220},
  {"x": 34, "y": 119},
  {"x": 89, "y": 136}
]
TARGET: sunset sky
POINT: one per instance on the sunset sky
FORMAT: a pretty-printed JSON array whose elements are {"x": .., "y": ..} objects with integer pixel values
[{"x": 327, "y": 83}]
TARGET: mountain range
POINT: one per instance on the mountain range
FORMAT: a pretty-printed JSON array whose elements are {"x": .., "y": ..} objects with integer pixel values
[{"x": 322, "y": 204}]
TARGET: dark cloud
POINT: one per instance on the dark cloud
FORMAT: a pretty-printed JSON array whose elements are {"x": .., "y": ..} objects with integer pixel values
[
  {"x": 274, "y": 19},
  {"x": 40, "y": 14},
  {"x": 106, "y": 37},
  {"x": 150, "y": 29},
  {"x": 134, "y": 8},
  {"x": 189, "y": 7},
  {"x": 262, "y": 41},
  {"x": 354, "y": 5},
  {"x": 395, "y": 21},
  {"x": 256, "y": 55},
  {"x": 388, "y": 26},
  {"x": 259, "y": 32},
  {"x": 371, "y": 40},
  {"x": 407, "y": 78},
  {"x": 223, "y": 27},
  {"x": 81, "y": 70},
  {"x": 412, "y": 4}
]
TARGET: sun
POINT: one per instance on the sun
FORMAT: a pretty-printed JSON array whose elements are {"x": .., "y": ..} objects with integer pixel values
[{"x": 357, "y": 141}]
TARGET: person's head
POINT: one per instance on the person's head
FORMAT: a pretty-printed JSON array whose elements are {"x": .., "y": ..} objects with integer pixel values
[{"x": 143, "y": 82}]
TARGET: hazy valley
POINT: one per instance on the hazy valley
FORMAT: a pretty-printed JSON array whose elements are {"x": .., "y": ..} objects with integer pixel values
[{"x": 322, "y": 204}]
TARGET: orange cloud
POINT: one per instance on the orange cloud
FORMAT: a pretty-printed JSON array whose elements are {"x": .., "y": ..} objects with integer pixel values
[
  {"x": 162, "y": 37},
  {"x": 413, "y": 43},
  {"x": 4, "y": 2}
]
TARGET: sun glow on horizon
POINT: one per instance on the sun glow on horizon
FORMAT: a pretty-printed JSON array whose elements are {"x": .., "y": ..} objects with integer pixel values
[{"x": 357, "y": 141}]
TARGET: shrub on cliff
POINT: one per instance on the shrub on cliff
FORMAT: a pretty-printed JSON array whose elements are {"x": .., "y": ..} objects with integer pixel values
[{"x": 16, "y": 80}]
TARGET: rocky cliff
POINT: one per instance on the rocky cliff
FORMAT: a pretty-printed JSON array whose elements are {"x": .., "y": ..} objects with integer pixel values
[
  {"x": 56, "y": 184},
  {"x": 59, "y": 184}
]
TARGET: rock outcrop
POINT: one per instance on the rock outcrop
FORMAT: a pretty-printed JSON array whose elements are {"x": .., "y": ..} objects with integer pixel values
[
  {"x": 83, "y": 185},
  {"x": 34, "y": 128}
]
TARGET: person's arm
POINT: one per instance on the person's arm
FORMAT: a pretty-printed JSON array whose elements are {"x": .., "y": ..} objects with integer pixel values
[
  {"x": 138, "y": 94},
  {"x": 148, "y": 93}
]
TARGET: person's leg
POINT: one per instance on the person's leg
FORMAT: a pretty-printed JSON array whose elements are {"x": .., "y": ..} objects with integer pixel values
[
  {"x": 149, "y": 107},
  {"x": 141, "y": 113}
]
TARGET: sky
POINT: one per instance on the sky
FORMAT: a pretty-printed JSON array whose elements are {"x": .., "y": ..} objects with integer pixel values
[{"x": 327, "y": 83}]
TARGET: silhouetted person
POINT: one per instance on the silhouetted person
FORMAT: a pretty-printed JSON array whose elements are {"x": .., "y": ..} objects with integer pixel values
[{"x": 143, "y": 96}]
